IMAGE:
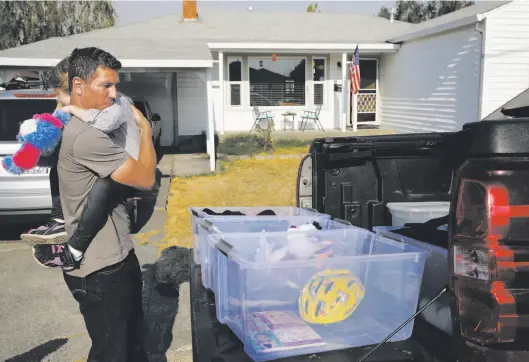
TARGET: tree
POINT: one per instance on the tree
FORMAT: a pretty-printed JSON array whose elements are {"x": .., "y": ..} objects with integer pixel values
[
  {"x": 313, "y": 7},
  {"x": 25, "y": 22},
  {"x": 416, "y": 12}
]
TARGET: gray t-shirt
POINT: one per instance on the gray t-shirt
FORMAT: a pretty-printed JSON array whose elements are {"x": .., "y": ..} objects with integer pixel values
[{"x": 87, "y": 153}]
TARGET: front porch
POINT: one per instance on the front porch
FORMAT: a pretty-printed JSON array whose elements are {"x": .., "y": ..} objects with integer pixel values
[{"x": 286, "y": 80}]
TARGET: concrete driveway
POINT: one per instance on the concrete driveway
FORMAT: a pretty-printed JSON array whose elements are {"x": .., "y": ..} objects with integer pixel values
[{"x": 40, "y": 320}]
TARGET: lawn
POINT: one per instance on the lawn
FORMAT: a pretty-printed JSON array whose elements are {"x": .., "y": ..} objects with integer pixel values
[{"x": 242, "y": 183}]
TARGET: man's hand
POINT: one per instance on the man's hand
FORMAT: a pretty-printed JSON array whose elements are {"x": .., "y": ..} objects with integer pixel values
[{"x": 67, "y": 109}]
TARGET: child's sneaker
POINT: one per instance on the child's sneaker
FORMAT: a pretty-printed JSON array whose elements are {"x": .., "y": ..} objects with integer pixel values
[
  {"x": 53, "y": 232},
  {"x": 54, "y": 256}
]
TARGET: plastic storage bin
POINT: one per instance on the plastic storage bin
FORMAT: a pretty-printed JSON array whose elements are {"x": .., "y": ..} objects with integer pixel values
[
  {"x": 209, "y": 270},
  {"x": 390, "y": 273},
  {"x": 255, "y": 224},
  {"x": 197, "y": 213},
  {"x": 416, "y": 212},
  {"x": 435, "y": 277}
]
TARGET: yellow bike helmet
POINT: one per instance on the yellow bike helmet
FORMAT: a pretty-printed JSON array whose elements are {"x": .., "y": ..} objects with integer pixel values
[{"x": 330, "y": 296}]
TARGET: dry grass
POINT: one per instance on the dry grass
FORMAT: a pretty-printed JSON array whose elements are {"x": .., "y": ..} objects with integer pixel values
[
  {"x": 290, "y": 150},
  {"x": 243, "y": 183}
]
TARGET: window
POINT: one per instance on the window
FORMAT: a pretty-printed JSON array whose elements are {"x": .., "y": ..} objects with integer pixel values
[
  {"x": 277, "y": 82},
  {"x": 13, "y": 112},
  {"x": 318, "y": 78},
  {"x": 235, "y": 80}
]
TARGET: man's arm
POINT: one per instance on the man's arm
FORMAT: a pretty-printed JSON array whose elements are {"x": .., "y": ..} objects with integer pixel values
[
  {"x": 97, "y": 152},
  {"x": 140, "y": 173},
  {"x": 106, "y": 120}
]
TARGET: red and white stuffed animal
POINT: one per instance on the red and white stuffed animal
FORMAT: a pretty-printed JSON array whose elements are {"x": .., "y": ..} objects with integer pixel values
[{"x": 39, "y": 136}]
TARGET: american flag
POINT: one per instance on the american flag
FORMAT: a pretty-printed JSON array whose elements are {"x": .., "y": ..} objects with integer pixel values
[{"x": 354, "y": 71}]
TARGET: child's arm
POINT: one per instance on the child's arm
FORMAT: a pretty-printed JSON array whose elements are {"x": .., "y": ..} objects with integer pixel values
[
  {"x": 104, "y": 196},
  {"x": 106, "y": 120}
]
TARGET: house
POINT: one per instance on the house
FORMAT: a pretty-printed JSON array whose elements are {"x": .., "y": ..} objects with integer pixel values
[{"x": 204, "y": 71}]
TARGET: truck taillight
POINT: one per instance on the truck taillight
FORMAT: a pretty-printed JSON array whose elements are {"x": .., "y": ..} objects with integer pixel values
[{"x": 490, "y": 252}]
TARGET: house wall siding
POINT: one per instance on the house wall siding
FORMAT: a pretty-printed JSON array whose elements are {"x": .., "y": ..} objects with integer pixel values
[
  {"x": 506, "y": 62},
  {"x": 432, "y": 84}
]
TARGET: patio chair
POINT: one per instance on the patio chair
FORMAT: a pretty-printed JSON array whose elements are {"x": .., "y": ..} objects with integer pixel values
[
  {"x": 311, "y": 115},
  {"x": 260, "y": 116}
]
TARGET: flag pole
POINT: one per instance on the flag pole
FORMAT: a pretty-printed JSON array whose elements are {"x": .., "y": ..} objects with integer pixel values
[
  {"x": 355, "y": 104},
  {"x": 345, "y": 93}
]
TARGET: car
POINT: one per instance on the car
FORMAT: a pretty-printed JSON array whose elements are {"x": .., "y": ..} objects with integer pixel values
[{"x": 29, "y": 195}]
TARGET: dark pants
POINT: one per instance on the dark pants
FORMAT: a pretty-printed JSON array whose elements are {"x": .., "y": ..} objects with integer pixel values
[
  {"x": 56, "y": 208},
  {"x": 110, "y": 301}
]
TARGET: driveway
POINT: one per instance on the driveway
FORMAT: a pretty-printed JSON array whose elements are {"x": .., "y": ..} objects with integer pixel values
[{"x": 40, "y": 320}]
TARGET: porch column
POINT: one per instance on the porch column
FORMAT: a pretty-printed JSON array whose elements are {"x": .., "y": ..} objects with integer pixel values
[
  {"x": 355, "y": 112},
  {"x": 345, "y": 93},
  {"x": 222, "y": 87},
  {"x": 211, "y": 122}
]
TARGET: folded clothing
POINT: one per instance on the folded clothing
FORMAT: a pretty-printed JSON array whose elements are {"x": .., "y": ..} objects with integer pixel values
[{"x": 208, "y": 211}]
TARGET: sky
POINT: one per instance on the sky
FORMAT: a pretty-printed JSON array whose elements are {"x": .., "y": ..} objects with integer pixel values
[{"x": 133, "y": 11}]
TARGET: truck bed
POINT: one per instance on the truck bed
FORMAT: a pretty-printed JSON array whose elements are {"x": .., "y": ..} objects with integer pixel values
[{"x": 215, "y": 342}]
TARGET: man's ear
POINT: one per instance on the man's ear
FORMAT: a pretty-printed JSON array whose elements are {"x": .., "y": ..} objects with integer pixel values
[{"x": 77, "y": 86}]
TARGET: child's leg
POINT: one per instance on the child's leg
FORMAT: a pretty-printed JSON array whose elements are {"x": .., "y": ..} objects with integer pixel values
[
  {"x": 104, "y": 196},
  {"x": 53, "y": 231}
]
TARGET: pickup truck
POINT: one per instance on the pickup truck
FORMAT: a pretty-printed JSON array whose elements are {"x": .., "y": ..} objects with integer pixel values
[{"x": 482, "y": 171}]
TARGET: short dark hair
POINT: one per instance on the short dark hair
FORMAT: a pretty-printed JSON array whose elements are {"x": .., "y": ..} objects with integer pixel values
[
  {"x": 85, "y": 61},
  {"x": 59, "y": 75}
]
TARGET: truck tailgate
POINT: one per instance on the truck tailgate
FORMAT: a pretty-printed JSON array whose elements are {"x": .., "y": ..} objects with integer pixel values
[{"x": 353, "y": 178}]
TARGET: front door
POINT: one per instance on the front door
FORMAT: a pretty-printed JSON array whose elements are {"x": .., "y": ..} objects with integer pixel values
[{"x": 367, "y": 96}]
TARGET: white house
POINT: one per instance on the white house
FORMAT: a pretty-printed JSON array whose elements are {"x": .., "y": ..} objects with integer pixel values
[
  {"x": 202, "y": 73},
  {"x": 457, "y": 68}
]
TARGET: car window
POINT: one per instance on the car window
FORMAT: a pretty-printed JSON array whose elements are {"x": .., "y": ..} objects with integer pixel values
[
  {"x": 13, "y": 112},
  {"x": 141, "y": 107}
]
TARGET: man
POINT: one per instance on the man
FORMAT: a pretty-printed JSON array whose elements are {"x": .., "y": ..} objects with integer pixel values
[{"x": 108, "y": 284}]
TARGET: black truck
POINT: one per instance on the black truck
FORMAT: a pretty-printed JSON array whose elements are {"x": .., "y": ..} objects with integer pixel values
[{"x": 483, "y": 171}]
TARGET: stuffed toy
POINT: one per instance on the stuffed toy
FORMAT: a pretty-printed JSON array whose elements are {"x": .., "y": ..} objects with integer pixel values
[{"x": 39, "y": 136}]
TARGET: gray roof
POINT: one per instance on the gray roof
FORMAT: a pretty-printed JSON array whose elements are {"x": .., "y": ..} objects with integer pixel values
[
  {"x": 262, "y": 27},
  {"x": 169, "y": 37},
  {"x": 480, "y": 7},
  {"x": 57, "y": 48}
]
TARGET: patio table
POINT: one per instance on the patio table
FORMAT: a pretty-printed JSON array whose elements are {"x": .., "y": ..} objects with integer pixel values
[{"x": 285, "y": 118}]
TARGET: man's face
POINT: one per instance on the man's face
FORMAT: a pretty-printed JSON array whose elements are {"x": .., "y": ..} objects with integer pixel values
[{"x": 100, "y": 91}]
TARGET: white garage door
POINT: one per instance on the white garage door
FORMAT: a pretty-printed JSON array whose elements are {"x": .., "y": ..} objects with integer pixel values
[{"x": 192, "y": 102}]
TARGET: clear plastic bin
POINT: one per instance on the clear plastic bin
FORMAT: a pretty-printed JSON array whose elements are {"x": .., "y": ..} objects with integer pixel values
[
  {"x": 416, "y": 212},
  {"x": 209, "y": 269},
  {"x": 435, "y": 277},
  {"x": 249, "y": 224},
  {"x": 389, "y": 271},
  {"x": 197, "y": 213}
]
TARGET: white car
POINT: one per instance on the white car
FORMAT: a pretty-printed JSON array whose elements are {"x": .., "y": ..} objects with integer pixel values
[{"x": 29, "y": 195}]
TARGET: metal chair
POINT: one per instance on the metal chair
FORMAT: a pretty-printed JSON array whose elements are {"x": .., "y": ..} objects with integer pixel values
[
  {"x": 260, "y": 116},
  {"x": 311, "y": 115}
]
